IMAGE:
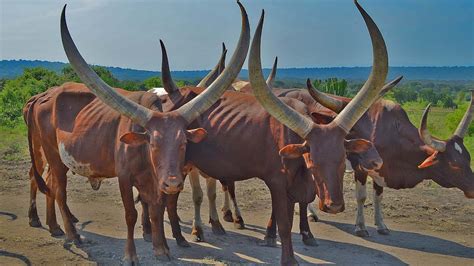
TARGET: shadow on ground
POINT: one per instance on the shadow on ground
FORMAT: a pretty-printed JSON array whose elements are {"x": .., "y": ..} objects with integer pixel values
[{"x": 410, "y": 240}]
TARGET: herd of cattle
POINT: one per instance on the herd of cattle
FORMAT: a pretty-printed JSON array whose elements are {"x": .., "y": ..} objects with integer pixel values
[{"x": 295, "y": 140}]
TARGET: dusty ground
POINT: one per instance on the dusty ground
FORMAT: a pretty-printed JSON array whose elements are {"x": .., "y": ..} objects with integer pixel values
[{"x": 430, "y": 226}]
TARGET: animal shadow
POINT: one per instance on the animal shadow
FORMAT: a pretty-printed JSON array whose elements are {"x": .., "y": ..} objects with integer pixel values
[{"x": 411, "y": 240}]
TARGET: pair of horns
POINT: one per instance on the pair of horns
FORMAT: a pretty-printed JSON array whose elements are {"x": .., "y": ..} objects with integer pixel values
[
  {"x": 461, "y": 130},
  {"x": 140, "y": 114},
  {"x": 302, "y": 125}
]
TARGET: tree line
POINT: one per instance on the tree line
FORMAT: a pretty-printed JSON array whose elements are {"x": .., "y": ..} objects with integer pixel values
[{"x": 15, "y": 92}]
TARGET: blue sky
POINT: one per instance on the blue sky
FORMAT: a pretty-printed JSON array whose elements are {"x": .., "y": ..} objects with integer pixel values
[{"x": 304, "y": 33}]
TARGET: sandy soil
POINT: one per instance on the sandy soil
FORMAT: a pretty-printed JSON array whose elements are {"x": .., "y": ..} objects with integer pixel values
[{"x": 430, "y": 226}]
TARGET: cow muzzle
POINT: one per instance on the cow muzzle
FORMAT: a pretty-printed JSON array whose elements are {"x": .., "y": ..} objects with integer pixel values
[
  {"x": 331, "y": 207},
  {"x": 469, "y": 194},
  {"x": 172, "y": 186}
]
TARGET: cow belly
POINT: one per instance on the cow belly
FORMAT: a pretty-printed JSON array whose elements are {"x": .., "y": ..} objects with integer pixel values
[{"x": 83, "y": 169}]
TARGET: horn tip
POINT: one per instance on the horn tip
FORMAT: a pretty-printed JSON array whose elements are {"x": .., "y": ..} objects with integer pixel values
[{"x": 308, "y": 83}]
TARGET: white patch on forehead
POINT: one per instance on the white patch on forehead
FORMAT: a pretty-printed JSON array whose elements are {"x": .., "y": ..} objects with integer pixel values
[
  {"x": 158, "y": 91},
  {"x": 457, "y": 147},
  {"x": 379, "y": 180},
  {"x": 83, "y": 169}
]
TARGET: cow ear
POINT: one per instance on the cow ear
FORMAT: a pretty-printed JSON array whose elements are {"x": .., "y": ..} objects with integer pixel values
[
  {"x": 319, "y": 118},
  {"x": 431, "y": 160},
  {"x": 134, "y": 138},
  {"x": 196, "y": 135},
  {"x": 293, "y": 151},
  {"x": 357, "y": 145}
]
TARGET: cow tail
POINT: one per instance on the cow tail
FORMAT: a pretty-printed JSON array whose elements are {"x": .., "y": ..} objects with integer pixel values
[{"x": 38, "y": 178}]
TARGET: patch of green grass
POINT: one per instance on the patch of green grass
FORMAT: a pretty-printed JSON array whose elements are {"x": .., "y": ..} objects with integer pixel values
[{"x": 14, "y": 143}]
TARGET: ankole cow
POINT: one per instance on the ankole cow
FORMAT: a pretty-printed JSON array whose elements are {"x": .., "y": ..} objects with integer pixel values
[
  {"x": 410, "y": 155},
  {"x": 122, "y": 134},
  {"x": 377, "y": 70}
]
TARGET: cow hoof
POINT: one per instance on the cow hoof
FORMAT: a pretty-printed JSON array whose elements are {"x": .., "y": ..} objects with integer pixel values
[
  {"x": 35, "y": 222},
  {"x": 197, "y": 234},
  {"x": 57, "y": 231},
  {"x": 313, "y": 218},
  {"x": 268, "y": 242},
  {"x": 290, "y": 261},
  {"x": 74, "y": 219},
  {"x": 228, "y": 216},
  {"x": 239, "y": 223},
  {"x": 147, "y": 237},
  {"x": 131, "y": 261},
  {"x": 384, "y": 231},
  {"x": 362, "y": 233},
  {"x": 164, "y": 257},
  {"x": 217, "y": 227},
  {"x": 182, "y": 242},
  {"x": 310, "y": 241}
]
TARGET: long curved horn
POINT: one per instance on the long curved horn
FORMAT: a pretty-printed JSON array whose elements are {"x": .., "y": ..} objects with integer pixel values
[
  {"x": 282, "y": 112},
  {"x": 329, "y": 102},
  {"x": 466, "y": 120},
  {"x": 168, "y": 83},
  {"x": 387, "y": 87},
  {"x": 426, "y": 136},
  {"x": 203, "y": 101},
  {"x": 104, "y": 92},
  {"x": 272, "y": 75},
  {"x": 372, "y": 87},
  {"x": 216, "y": 71}
]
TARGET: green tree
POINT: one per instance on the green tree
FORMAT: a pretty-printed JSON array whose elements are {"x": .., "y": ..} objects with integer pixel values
[
  {"x": 17, "y": 91},
  {"x": 333, "y": 86},
  {"x": 153, "y": 82},
  {"x": 70, "y": 75}
]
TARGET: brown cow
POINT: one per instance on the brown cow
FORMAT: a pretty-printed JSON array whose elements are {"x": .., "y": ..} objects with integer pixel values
[
  {"x": 417, "y": 157},
  {"x": 245, "y": 140},
  {"x": 120, "y": 134}
]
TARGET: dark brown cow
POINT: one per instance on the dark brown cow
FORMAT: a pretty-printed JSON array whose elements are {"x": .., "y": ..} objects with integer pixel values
[
  {"x": 120, "y": 134},
  {"x": 244, "y": 140},
  {"x": 369, "y": 160},
  {"x": 417, "y": 155}
]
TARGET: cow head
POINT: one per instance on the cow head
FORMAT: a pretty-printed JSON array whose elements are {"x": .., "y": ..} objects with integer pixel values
[
  {"x": 449, "y": 160},
  {"x": 324, "y": 146},
  {"x": 165, "y": 133}
]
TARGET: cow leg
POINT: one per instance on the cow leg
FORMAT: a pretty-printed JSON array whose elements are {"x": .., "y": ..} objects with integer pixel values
[
  {"x": 130, "y": 257},
  {"x": 305, "y": 232},
  {"x": 172, "y": 208},
  {"x": 160, "y": 247},
  {"x": 227, "y": 213},
  {"x": 361, "y": 196},
  {"x": 216, "y": 225},
  {"x": 238, "y": 220},
  {"x": 197, "y": 232},
  {"x": 146, "y": 222},
  {"x": 312, "y": 212},
  {"x": 284, "y": 217},
  {"x": 51, "y": 220},
  {"x": 34, "y": 220},
  {"x": 60, "y": 183},
  {"x": 378, "y": 215},
  {"x": 270, "y": 239}
]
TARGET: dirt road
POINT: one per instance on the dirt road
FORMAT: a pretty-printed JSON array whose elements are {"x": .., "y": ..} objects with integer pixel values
[{"x": 430, "y": 226}]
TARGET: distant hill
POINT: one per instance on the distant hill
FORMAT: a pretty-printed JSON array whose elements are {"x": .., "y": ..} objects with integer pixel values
[{"x": 13, "y": 68}]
